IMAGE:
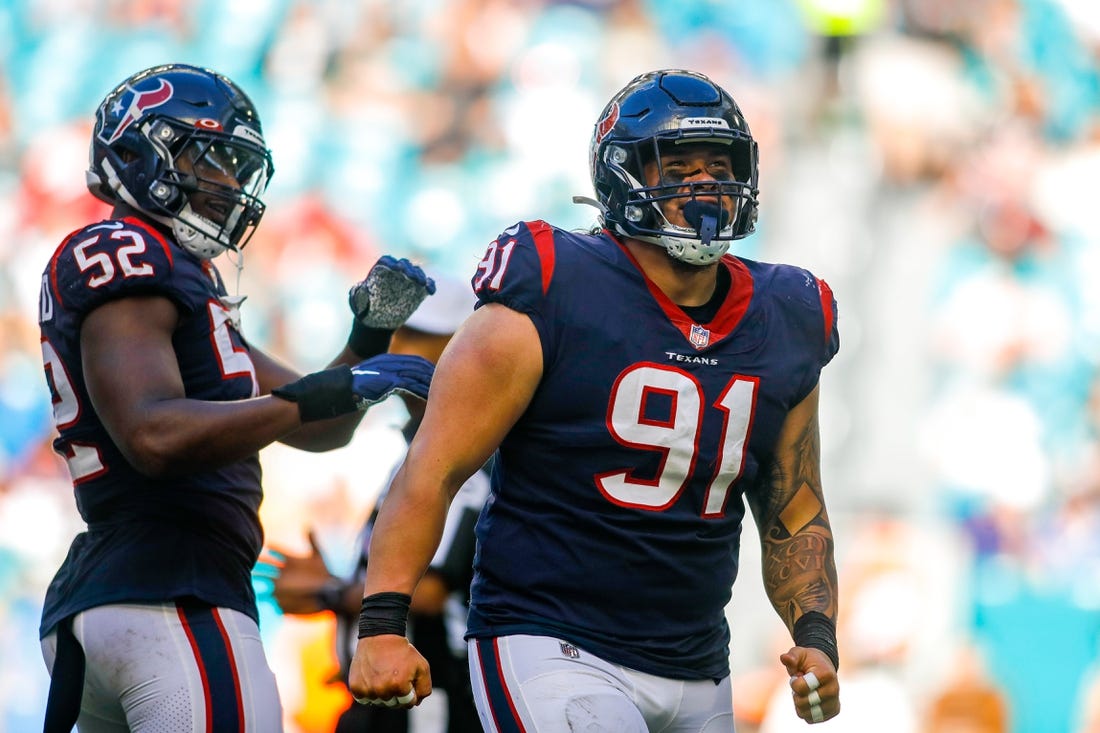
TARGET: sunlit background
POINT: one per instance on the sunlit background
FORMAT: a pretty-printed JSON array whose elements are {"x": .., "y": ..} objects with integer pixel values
[{"x": 936, "y": 161}]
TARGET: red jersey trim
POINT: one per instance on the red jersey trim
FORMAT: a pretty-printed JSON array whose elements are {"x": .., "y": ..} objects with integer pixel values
[
  {"x": 826, "y": 306},
  {"x": 730, "y": 313},
  {"x": 134, "y": 221},
  {"x": 543, "y": 236}
]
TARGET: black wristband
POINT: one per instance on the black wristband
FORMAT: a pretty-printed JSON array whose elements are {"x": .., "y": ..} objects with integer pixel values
[
  {"x": 384, "y": 613},
  {"x": 366, "y": 342},
  {"x": 817, "y": 631},
  {"x": 321, "y": 395}
]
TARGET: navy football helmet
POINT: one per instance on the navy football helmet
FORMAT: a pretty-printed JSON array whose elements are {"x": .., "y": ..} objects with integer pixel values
[
  {"x": 183, "y": 145},
  {"x": 655, "y": 111}
]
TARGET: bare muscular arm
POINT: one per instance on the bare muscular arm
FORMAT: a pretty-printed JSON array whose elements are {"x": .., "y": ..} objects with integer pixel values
[
  {"x": 136, "y": 388},
  {"x": 796, "y": 543},
  {"x": 320, "y": 435},
  {"x": 485, "y": 380},
  {"x": 796, "y": 539}
]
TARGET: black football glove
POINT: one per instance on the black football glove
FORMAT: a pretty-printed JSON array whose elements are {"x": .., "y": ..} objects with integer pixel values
[{"x": 342, "y": 389}]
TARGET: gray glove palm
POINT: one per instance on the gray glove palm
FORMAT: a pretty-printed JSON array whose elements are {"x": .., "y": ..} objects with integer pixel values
[{"x": 389, "y": 294}]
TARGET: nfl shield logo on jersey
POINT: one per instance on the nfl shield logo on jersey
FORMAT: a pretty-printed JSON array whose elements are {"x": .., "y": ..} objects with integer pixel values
[{"x": 700, "y": 336}]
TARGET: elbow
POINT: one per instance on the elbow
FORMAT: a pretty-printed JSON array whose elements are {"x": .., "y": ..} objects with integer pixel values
[
  {"x": 319, "y": 441},
  {"x": 338, "y": 439},
  {"x": 150, "y": 455}
]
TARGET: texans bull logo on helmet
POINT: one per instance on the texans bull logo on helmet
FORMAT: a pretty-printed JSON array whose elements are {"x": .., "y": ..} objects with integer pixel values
[
  {"x": 141, "y": 101},
  {"x": 607, "y": 122}
]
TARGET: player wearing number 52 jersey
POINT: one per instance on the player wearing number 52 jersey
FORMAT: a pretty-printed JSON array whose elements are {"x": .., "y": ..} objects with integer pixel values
[
  {"x": 162, "y": 406},
  {"x": 639, "y": 386},
  {"x": 121, "y": 559}
]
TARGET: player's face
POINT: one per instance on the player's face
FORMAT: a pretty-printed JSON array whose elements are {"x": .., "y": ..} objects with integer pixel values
[
  {"x": 216, "y": 168},
  {"x": 694, "y": 167}
]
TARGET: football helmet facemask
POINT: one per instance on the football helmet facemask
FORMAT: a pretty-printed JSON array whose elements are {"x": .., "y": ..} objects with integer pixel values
[
  {"x": 651, "y": 115},
  {"x": 184, "y": 146}
]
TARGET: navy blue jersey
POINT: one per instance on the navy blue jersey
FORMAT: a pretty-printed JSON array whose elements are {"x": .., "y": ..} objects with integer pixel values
[
  {"x": 615, "y": 515},
  {"x": 148, "y": 539}
]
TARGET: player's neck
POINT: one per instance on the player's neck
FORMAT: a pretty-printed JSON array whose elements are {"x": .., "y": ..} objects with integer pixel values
[{"x": 686, "y": 285}]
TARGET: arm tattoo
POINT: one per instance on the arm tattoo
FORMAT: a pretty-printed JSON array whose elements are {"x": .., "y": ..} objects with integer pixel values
[{"x": 796, "y": 539}]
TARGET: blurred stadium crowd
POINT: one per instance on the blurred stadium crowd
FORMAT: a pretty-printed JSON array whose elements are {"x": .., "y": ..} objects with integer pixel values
[{"x": 936, "y": 161}]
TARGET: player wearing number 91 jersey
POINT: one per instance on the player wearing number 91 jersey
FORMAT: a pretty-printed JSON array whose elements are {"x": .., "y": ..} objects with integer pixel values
[
  {"x": 664, "y": 427},
  {"x": 639, "y": 386},
  {"x": 100, "y": 263}
]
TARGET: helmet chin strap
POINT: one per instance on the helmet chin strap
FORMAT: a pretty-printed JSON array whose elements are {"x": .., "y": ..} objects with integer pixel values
[
  {"x": 705, "y": 218},
  {"x": 236, "y": 257}
]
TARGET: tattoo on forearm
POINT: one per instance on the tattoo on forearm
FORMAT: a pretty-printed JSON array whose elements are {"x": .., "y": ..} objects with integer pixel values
[
  {"x": 799, "y": 574},
  {"x": 796, "y": 539}
]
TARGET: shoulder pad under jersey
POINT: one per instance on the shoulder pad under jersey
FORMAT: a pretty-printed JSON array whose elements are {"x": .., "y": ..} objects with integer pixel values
[
  {"x": 114, "y": 259},
  {"x": 817, "y": 307},
  {"x": 518, "y": 267}
]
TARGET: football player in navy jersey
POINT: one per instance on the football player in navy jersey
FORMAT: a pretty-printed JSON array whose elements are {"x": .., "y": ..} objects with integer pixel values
[
  {"x": 161, "y": 407},
  {"x": 639, "y": 386}
]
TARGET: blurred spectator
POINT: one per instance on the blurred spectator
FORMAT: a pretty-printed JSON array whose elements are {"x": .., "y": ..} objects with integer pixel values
[
  {"x": 304, "y": 584},
  {"x": 968, "y": 701}
]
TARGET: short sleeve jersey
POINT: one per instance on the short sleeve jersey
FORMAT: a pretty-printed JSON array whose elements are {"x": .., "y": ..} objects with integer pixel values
[
  {"x": 148, "y": 539},
  {"x": 617, "y": 498}
]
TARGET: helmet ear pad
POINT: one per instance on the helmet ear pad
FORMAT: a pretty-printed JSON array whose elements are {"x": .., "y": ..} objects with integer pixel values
[
  {"x": 642, "y": 154},
  {"x": 144, "y": 177},
  {"x": 170, "y": 197},
  {"x": 621, "y": 175}
]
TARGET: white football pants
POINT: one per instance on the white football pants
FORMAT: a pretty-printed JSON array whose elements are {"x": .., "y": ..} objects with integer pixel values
[
  {"x": 538, "y": 684},
  {"x": 172, "y": 668}
]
